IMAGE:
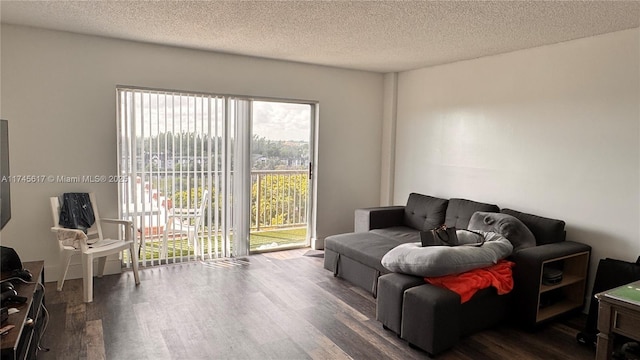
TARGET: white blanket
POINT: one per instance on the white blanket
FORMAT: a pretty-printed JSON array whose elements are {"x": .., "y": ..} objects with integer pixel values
[
  {"x": 429, "y": 261},
  {"x": 71, "y": 237}
]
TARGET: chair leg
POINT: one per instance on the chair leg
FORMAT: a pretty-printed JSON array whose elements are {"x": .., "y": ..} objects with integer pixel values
[
  {"x": 87, "y": 278},
  {"x": 134, "y": 263},
  {"x": 65, "y": 260},
  {"x": 164, "y": 250},
  {"x": 195, "y": 244},
  {"x": 102, "y": 264},
  {"x": 201, "y": 246}
]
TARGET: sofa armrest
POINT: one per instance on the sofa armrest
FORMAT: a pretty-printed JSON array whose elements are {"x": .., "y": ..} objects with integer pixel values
[
  {"x": 527, "y": 274},
  {"x": 535, "y": 256},
  {"x": 378, "y": 218}
]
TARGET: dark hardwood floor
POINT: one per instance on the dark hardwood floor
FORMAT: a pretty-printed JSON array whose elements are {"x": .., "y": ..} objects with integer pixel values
[{"x": 273, "y": 306}]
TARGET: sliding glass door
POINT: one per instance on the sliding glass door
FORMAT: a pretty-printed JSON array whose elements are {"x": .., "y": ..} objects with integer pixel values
[
  {"x": 211, "y": 176},
  {"x": 281, "y": 135}
]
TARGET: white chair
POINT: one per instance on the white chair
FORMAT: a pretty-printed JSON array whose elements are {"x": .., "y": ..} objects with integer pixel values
[
  {"x": 91, "y": 246},
  {"x": 186, "y": 221}
]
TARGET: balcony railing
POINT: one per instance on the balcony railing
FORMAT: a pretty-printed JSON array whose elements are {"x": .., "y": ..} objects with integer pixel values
[
  {"x": 279, "y": 198},
  {"x": 279, "y": 203}
]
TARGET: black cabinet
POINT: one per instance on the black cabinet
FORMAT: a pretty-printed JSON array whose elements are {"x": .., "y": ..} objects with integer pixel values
[{"x": 21, "y": 342}]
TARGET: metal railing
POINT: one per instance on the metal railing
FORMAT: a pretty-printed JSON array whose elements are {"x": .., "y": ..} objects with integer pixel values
[
  {"x": 279, "y": 201},
  {"x": 279, "y": 198}
]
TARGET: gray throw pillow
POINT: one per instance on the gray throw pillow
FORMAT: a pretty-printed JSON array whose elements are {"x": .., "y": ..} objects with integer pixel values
[
  {"x": 506, "y": 225},
  {"x": 469, "y": 237}
]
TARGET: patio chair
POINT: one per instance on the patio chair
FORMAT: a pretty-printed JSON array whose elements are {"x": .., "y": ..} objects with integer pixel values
[
  {"x": 90, "y": 245},
  {"x": 186, "y": 221}
]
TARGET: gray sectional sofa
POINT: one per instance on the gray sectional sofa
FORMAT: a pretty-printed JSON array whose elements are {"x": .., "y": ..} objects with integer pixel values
[
  {"x": 356, "y": 256},
  {"x": 427, "y": 316}
]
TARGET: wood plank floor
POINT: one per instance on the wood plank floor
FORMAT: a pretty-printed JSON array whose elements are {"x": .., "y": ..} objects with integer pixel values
[{"x": 273, "y": 306}]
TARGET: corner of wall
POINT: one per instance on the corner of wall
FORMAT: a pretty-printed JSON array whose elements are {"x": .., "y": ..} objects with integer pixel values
[{"x": 388, "y": 153}]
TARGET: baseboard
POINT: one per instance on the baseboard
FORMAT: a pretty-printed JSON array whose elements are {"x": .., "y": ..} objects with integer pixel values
[{"x": 75, "y": 270}]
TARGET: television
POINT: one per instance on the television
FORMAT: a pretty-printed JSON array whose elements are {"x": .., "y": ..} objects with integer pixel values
[{"x": 5, "y": 183}]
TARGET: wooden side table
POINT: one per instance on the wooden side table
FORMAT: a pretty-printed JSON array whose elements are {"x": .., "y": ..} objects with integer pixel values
[
  {"x": 618, "y": 313},
  {"x": 572, "y": 286}
]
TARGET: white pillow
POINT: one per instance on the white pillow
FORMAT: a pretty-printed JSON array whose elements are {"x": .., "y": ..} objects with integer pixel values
[{"x": 429, "y": 261}]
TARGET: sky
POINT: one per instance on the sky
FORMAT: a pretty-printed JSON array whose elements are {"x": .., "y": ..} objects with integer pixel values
[
  {"x": 282, "y": 121},
  {"x": 278, "y": 121}
]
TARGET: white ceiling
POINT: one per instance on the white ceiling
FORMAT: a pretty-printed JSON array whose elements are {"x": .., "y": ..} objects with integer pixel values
[{"x": 382, "y": 36}]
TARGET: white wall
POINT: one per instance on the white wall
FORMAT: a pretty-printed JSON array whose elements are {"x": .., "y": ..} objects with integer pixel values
[
  {"x": 553, "y": 131},
  {"x": 58, "y": 92}
]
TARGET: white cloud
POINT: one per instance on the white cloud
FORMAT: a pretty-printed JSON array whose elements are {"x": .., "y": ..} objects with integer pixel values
[
  {"x": 282, "y": 121},
  {"x": 271, "y": 120}
]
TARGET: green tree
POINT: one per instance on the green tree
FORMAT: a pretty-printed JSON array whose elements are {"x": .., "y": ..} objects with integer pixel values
[{"x": 279, "y": 199}]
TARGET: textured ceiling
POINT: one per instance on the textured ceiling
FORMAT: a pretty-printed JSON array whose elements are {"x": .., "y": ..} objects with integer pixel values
[{"x": 382, "y": 36}]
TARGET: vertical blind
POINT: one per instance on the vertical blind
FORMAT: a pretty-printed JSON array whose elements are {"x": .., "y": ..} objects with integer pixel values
[{"x": 171, "y": 147}]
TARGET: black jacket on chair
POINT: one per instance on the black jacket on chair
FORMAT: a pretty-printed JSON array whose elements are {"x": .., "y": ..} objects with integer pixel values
[{"x": 76, "y": 211}]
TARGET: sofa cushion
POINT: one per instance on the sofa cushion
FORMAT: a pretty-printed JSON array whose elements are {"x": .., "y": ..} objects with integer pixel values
[
  {"x": 424, "y": 212},
  {"x": 459, "y": 212},
  {"x": 399, "y": 234},
  {"x": 413, "y": 259},
  {"x": 545, "y": 230},
  {"x": 506, "y": 225},
  {"x": 365, "y": 248}
]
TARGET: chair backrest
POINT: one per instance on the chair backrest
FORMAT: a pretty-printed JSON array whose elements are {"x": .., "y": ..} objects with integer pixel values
[{"x": 94, "y": 232}]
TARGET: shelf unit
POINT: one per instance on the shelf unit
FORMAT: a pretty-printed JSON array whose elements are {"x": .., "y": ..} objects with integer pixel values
[
  {"x": 22, "y": 341},
  {"x": 570, "y": 291}
]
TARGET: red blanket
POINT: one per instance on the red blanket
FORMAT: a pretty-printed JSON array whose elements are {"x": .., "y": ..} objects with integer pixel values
[{"x": 468, "y": 283}]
